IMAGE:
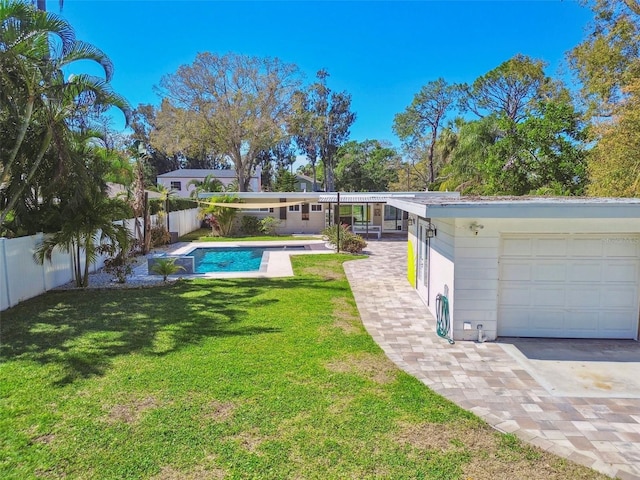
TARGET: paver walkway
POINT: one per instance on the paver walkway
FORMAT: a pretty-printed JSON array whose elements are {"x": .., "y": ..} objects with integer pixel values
[{"x": 601, "y": 433}]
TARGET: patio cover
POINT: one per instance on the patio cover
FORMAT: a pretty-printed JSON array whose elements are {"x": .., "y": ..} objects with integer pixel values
[
  {"x": 359, "y": 197},
  {"x": 253, "y": 206}
]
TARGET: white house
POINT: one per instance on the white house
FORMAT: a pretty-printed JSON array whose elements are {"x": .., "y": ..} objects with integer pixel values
[
  {"x": 368, "y": 213},
  {"x": 178, "y": 180},
  {"x": 528, "y": 267}
]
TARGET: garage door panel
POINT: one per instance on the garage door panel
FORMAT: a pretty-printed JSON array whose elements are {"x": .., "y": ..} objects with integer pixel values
[
  {"x": 551, "y": 297},
  {"x": 516, "y": 271},
  {"x": 556, "y": 247},
  {"x": 620, "y": 297},
  {"x": 620, "y": 272},
  {"x": 585, "y": 271},
  {"x": 616, "y": 323},
  {"x": 582, "y": 321},
  {"x": 549, "y": 272},
  {"x": 583, "y": 247},
  {"x": 573, "y": 286},
  {"x": 517, "y": 246},
  {"x": 583, "y": 297},
  {"x": 548, "y": 319},
  {"x": 621, "y": 247},
  {"x": 516, "y": 296}
]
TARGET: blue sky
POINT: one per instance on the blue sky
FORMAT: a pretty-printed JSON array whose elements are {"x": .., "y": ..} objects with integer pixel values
[{"x": 379, "y": 52}]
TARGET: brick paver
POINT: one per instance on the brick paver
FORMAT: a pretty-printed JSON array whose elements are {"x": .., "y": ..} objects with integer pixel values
[{"x": 601, "y": 433}]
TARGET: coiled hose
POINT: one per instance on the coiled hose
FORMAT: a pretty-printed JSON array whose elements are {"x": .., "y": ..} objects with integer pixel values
[{"x": 442, "y": 318}]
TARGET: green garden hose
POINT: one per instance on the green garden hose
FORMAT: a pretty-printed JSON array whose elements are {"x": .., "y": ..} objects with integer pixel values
[{"x": 442, "y": 318}]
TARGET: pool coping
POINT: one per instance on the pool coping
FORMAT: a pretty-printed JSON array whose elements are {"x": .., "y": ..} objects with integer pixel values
[{"x": 277, "y": 263}]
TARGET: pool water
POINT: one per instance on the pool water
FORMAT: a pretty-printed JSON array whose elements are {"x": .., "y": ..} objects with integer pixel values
[{"x": 231, "y": 259}]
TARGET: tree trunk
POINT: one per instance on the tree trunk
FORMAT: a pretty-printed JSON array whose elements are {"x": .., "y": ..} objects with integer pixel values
[
  {"x": 432, "y": 148},
  {"x": 315, "y": 182},
  {"x": 146, "y": 244},
  {"x": 27, "y": 181}
]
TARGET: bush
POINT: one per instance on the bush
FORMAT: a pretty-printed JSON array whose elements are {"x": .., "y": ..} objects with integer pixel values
[
  {"x": 353, "y": 244},
  {"x": 250, "y": 225},
  {"x": 157, "y": 205},
  {"x": 349, "y": 241},
  {"x": 159, "y": 235},
  {"x": 119, "y": 266},
  {"x": 268, "y": 225}
]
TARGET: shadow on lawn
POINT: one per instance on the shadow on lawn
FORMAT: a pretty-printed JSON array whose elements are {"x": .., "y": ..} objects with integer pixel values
[{"x": 83, "y": 331}]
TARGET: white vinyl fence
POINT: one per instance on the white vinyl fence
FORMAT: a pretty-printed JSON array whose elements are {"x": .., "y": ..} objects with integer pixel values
[{"x": 21, "y": 277}]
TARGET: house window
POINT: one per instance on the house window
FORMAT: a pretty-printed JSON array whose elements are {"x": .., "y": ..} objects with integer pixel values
[
  {"x": 316, "y": 208},
  {"x": 294, "y": 208},
  {"x": 176, "y": 186}
]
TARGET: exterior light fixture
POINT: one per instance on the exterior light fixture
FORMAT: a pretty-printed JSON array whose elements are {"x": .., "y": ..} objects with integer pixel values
[
  {"x": 431, "y": 231},
  {"x": 475, "y": 227}
]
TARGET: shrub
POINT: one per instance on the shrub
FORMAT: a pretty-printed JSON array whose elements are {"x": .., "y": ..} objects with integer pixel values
[
  {"x": 159, "y": 235},
  {"x": 157, "y": 205},
  {"x": 118, "y": 266},
  {"x": 268, "y": 225},
  {"x": 250, "y": 225},
  {"x": 349, "y": 241},
  {"x": 353, "y": 244},
  {"x": 166, "y": 267}
]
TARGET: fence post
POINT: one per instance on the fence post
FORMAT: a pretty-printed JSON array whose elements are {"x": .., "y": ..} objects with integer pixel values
[{"x": 5, "y": 273}]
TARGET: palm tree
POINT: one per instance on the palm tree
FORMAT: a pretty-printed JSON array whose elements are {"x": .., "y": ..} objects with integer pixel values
[
  {"x": 87, "y": 225},
  {"x": 209, "y": 184},
  {"x": 85, "y": 214},
  {"x": 221, "y": 217},
  {"x": 42, "y": 4},
  {"x": 165, "y": 195},
  {"x": 165, "y": 267},
  {"x": 38, "y": 103}
]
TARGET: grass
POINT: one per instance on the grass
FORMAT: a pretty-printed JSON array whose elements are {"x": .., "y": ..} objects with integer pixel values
[
  {"x": 233, "y": 379},
  {"x": 204, "y": 235}
]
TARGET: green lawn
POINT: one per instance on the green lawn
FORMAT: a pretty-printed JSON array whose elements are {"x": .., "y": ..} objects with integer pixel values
[
  {"x": 204, "y": 235},
  {"x": 243, "y": 378}
]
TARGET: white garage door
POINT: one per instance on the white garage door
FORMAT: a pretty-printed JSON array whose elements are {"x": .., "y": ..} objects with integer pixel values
[{"x": 569, "y": 286}]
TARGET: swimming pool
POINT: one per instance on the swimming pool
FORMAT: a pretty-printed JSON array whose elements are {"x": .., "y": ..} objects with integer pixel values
[{"x": 233, "y": 259}]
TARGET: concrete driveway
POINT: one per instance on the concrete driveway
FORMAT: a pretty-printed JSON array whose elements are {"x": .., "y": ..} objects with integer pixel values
[{"x": 586, "y": 409}]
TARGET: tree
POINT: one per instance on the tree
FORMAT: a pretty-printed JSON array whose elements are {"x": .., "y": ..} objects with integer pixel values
[
  {"x": 509, "y": 89},
  {"x": 366, "y": 166},
  {"x": 320, "y": 124},
  {"x": 279, "y": 157},
  {"x": 608, "y": 60},
  {"x": 614, "y": 162},
  {"x": 285, "y": 181},
  {"x": 474, "y": 141},
  {"x": 42, "y": 4},
  {"x": 208, "y": 184},
  {"x": 220, "y": 218},
  {"x": 143, "y": 122},
  {"x": 41, "y": 106},
  {"x": 234, "y": 105},
  {"x": 543, "y": 154},
  {"x": 425, "y": 115},
  {"x": 86, "y": 217}
]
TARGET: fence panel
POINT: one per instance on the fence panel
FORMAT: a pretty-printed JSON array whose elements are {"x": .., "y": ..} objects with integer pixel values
[
  {"x": 24, "y": 277},
  {"x": 21, "y": 277}
]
